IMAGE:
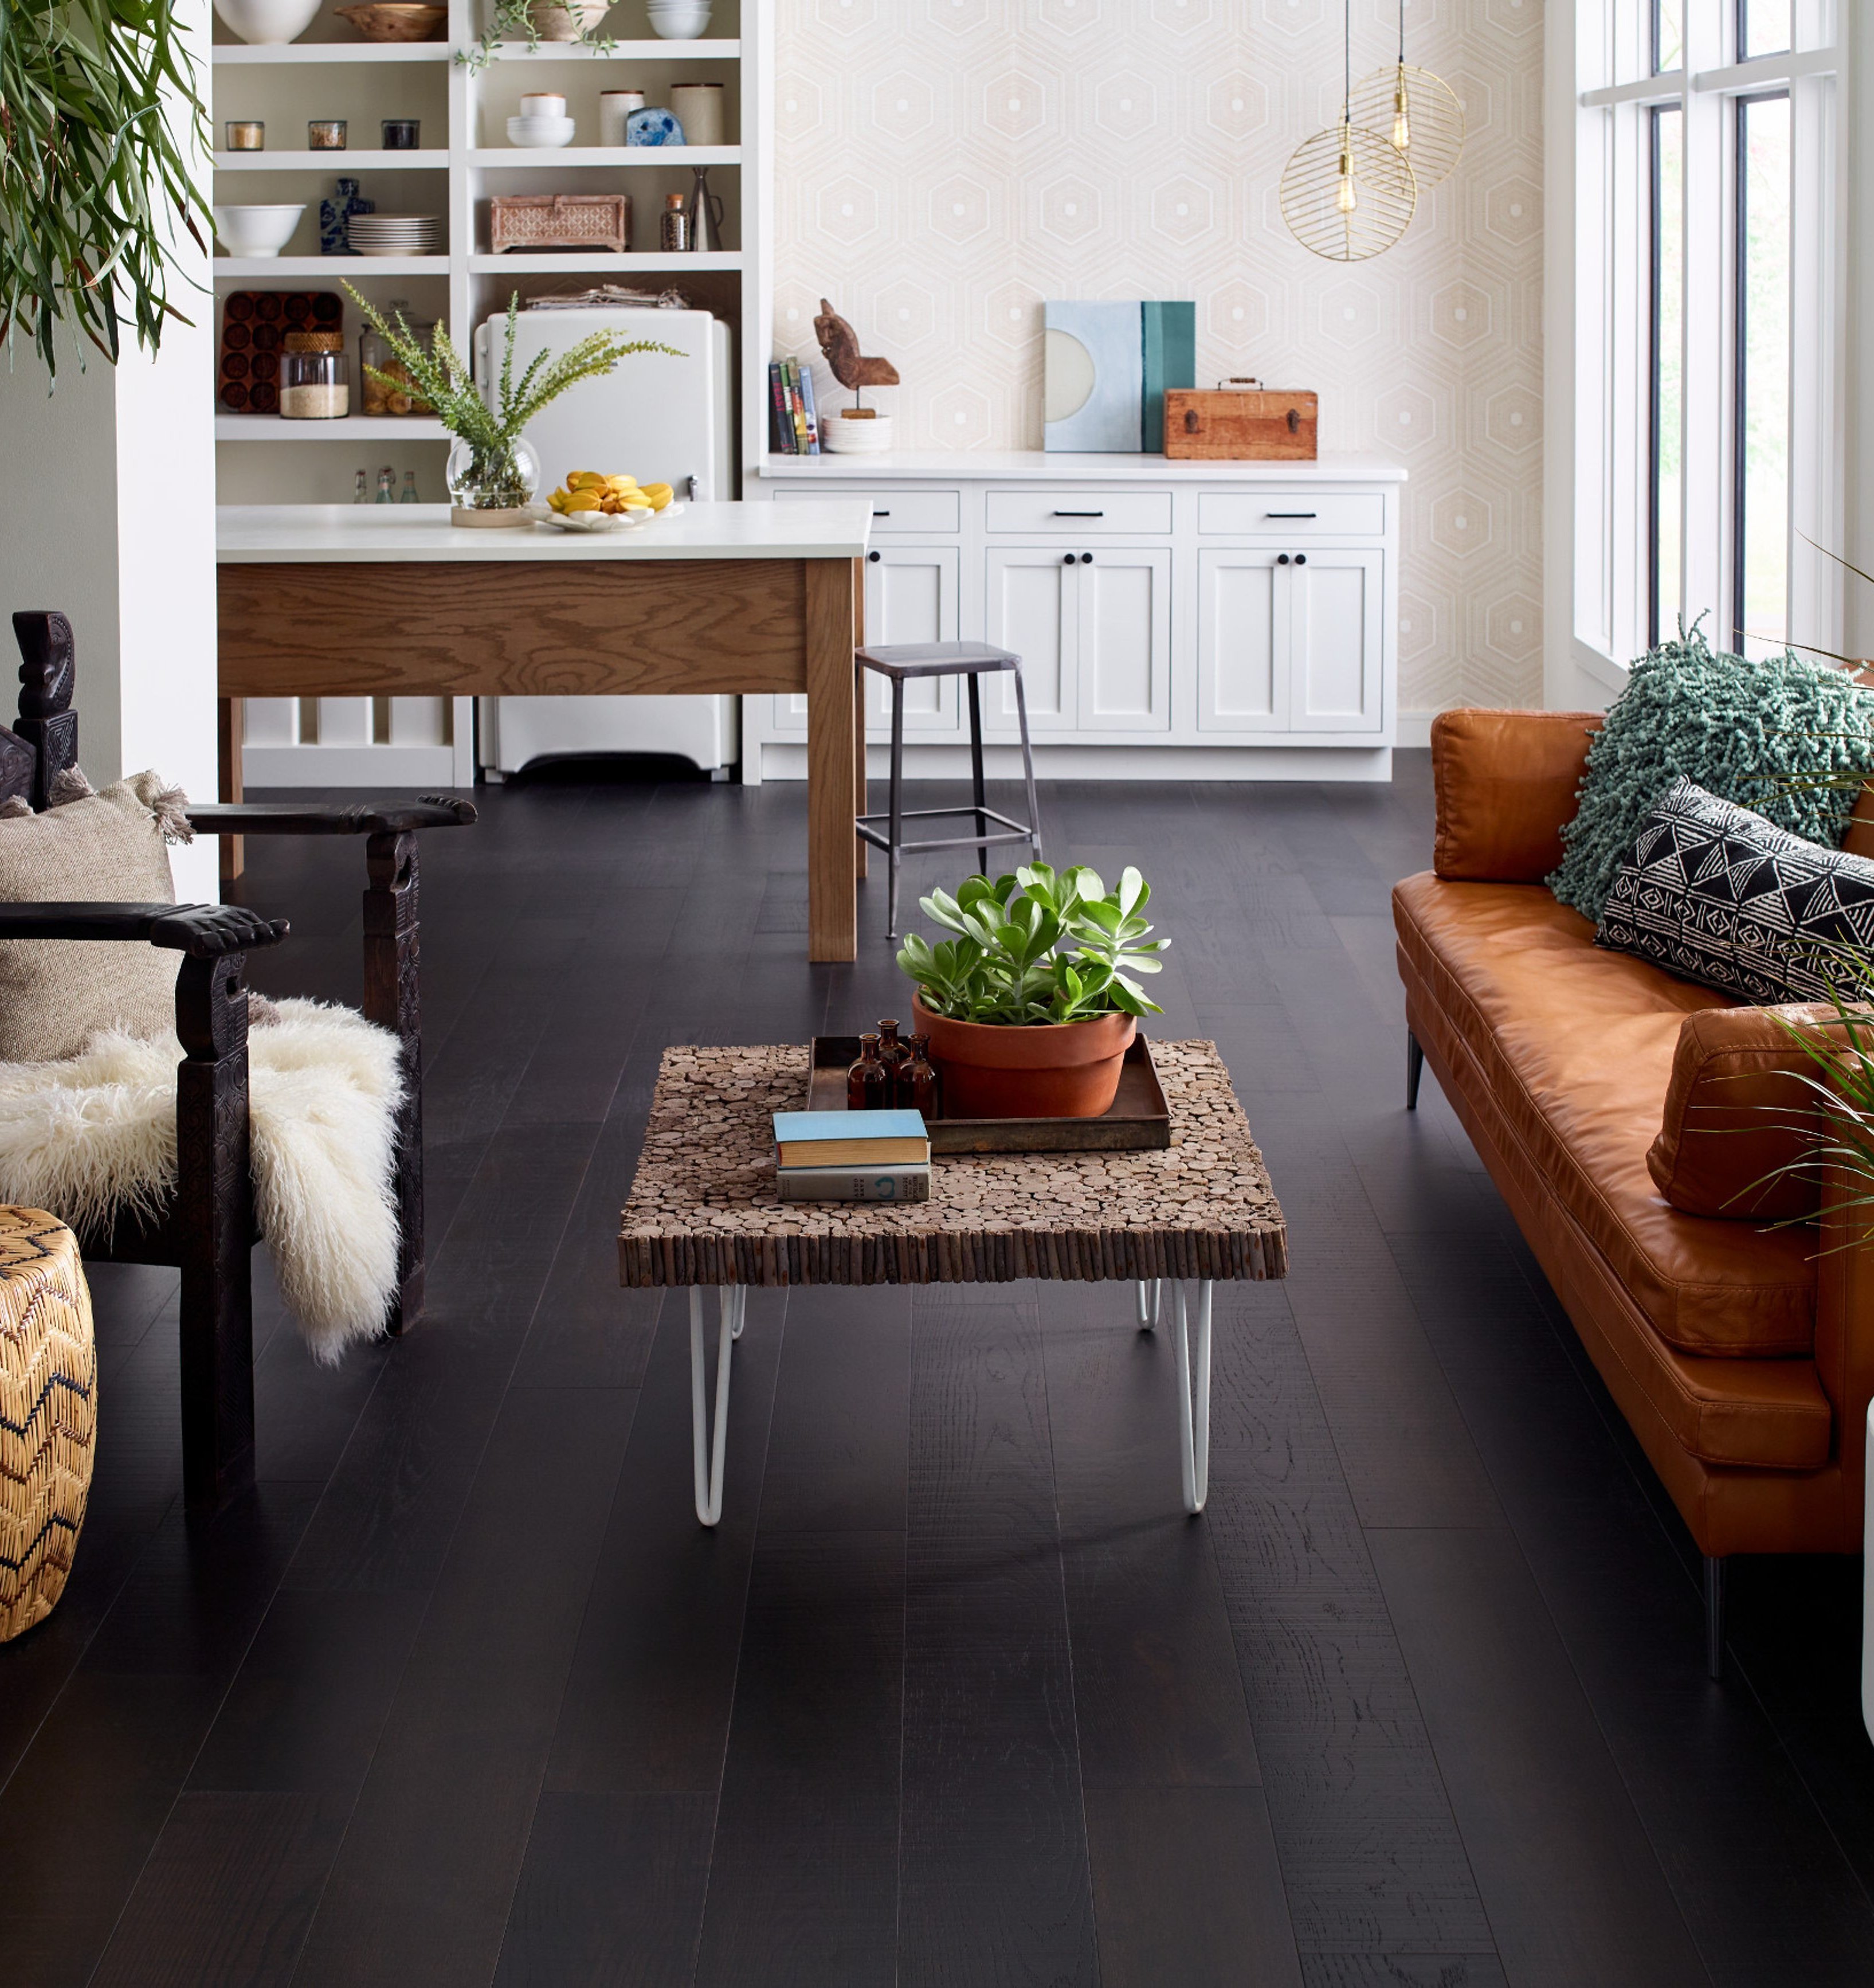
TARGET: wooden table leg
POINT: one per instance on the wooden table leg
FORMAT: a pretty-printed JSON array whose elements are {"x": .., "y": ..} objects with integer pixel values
[
  {"x": 232, "y": 714},
  {"x": 832, "y": 895},
  {"x": 860, "y": 845}
]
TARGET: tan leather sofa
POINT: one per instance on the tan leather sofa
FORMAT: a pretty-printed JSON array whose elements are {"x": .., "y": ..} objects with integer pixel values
[{"x": 1619, "y": 1111}]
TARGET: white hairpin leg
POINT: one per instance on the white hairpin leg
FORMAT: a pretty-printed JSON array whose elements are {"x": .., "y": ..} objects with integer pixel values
[
  {"x": 1151, "y": 1298},
  {"x": 706, "y": 1450},
  {"x": 1193, "y": 1401}
]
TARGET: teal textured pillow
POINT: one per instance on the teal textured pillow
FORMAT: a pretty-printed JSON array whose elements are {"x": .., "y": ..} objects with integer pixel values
[{"x": 1740, "y": 727}]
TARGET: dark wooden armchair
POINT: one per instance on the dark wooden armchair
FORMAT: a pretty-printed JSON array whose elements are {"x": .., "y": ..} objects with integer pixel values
[{"x": 209, "y": 1230}]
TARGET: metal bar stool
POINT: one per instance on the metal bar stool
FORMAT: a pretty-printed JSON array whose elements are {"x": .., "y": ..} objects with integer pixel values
[{"x": 898, "y": 662}]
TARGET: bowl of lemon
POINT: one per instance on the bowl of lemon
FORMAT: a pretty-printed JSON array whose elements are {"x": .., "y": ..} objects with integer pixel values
[{"x": 590, "y": 501}]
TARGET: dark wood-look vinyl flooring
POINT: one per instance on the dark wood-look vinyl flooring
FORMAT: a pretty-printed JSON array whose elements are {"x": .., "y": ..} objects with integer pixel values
[{"x": 955, "y": 1696}]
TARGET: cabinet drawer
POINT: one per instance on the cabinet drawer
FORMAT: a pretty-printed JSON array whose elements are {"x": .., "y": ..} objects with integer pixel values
[
  {"x": 892, "y": 510},
  {"x": 1078, "y": 513},
  {"x": 1291, "y": 514}
]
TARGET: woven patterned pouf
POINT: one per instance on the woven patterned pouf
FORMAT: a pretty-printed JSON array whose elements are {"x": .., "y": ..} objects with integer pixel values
[{"x": 49, "y": 1371}]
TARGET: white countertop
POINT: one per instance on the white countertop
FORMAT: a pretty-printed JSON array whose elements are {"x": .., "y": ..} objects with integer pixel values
[
  {"x": 366, "y": 534},
  {"x": 967, "y": 465}
]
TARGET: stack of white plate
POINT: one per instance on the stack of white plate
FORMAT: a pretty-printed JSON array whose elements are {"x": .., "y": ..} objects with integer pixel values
[
  {"x": 542, "y": 131},
  {"x": 397, "y": 234}
]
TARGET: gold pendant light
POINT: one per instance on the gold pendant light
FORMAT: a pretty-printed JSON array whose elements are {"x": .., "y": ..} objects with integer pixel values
[
  {"x": 1417, "y": 113},
  {"x": 1347, "y": 193}
]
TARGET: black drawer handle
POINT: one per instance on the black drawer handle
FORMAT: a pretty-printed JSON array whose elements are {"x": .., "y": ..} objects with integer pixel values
[
  {"x": 1281, "y": 558},
  {"x": 1087, "y": 559},
  {"x": 1289, "y": 514},
  {"x": 1067, "y": 559},
  {"x": 1301, "y": 559},
  {"x": 873, "y": 557},
  {"x": 881, "y": 514},
  {"x": 1080, "y": 514}
]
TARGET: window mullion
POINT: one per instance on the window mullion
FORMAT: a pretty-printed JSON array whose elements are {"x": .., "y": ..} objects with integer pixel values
[{"x": 1707, "y": 372}]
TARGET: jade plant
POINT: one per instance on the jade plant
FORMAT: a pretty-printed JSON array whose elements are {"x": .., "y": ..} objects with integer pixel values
[
  {"x": 490, "y": 432},
  {"x": 1035, "y": 947}
]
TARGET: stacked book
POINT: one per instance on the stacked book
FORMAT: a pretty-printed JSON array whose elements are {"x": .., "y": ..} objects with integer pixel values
[
  {"x": 852, "y": 1156},
  {"x": 794, "y": 422}
]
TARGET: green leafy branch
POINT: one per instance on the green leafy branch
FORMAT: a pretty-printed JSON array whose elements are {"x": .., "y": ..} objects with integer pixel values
[
  {"x": 1036, "y": 947},
  {"x": 444, "y": 379},
  {"x": 512, "y": 20},
  {"x": 101, "y": 131}
]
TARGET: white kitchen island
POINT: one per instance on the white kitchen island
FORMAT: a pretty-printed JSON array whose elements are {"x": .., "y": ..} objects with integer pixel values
[
  {"x": 1175, "y": 621},
  {"x": 337, "y": 600}
]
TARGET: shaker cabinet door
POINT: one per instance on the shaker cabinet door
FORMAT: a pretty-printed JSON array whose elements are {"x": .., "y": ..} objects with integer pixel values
[
  {"x": 1335, "y": 602},
  {"x": 911, "y": 596},
  {"x": 1031, "y": 606},
  {"x": 1243, "y": 673},
  {"x": 1125, "y": 648}
]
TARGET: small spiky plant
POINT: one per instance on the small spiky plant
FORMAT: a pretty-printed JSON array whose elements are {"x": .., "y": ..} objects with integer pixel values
[{"x": 443, "y": 378}]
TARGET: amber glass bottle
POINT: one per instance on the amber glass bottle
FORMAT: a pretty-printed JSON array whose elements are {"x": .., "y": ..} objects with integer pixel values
[
  {"x": 895, "y": 1054},
  {"x": 868, "y": 1082},
  {"x": 926, "y": 1080}
]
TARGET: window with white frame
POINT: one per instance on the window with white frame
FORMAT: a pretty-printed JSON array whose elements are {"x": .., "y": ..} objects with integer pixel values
[{"x": 1707, "y": 454}]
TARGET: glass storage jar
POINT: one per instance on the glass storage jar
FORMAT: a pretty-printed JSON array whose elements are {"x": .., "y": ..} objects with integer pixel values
[
  {"x": 315, "y": 385},
  {"x": 396, "y": 393}
]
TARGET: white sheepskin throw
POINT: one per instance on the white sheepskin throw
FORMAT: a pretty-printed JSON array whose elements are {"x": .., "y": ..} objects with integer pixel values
[{"x": 94, "y": 1137}]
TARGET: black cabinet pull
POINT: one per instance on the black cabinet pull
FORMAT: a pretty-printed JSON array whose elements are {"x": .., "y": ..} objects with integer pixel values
[
  {"x": 1285, "y": 514},
  {"x": 873, "y": 557},
  {"x": 1301, "y": 559},
  {"x": 1067, "y": 559},
  {"x": 1281, "y": 558},
  {"x": 881, "y": 514},
  {"x": 1087, "y": 559},
  {"x": 1080, "y": 514}
]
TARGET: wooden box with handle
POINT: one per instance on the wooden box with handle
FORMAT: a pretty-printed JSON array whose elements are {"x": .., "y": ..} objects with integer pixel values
[{"x": 1240, "y": 421}]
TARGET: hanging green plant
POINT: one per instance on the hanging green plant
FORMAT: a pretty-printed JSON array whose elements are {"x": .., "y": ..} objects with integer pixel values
[
  {"x": 536, "y": 22},
  {"x": 101, "y": 133}
]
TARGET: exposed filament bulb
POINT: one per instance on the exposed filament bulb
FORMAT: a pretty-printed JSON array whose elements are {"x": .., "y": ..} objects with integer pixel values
[
  {"x": 1402, "y": 125},
  {"x": 1345, "y": 199}
]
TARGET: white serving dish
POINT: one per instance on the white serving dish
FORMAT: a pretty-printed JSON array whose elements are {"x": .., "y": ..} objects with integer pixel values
[
  {"x": 256, "y": 231},
  {"x": 599, "y": 521},
  {"x": 529, "y": 132},
  {"x": 267, "y": 22},
  {"x": 678, "y": 20},
  {"x": 840, "y": 437}
]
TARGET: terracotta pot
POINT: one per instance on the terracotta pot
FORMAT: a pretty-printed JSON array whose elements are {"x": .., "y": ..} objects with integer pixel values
[{"x": 1056, "y": 1069}]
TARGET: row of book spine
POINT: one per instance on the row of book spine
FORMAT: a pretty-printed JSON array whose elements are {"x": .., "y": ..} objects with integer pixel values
[{"x": 794, "y": 422}]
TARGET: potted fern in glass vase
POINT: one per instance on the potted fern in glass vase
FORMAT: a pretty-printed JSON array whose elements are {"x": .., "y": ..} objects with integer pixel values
[{"x": 492, "y": 471}]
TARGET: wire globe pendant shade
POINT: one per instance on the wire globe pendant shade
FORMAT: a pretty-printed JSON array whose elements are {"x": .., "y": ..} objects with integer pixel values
[
  {"x": 1417, "y": 113},
  {"x": 1347, "y": 195}
]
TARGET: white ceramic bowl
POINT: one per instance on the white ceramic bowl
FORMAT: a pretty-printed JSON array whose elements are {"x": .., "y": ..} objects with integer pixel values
[
  {"x": 679, "y": 20},
  {"x": 256, "y": 231},
  {"x": 267, "y": 20},
  {"x": 532, "y": 131}
]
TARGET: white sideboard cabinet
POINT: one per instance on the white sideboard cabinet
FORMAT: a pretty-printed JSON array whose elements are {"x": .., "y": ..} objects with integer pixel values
[{"x": 1174, "y": 619}]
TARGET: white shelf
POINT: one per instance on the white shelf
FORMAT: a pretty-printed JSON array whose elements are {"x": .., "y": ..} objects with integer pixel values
[
  {"x": 704, "y": 49},
  {"x": 353, "y": 427},
  {"x": 334, "y": 266},
  {"x": 598, "y": 263},
  {"x": 427, "y": 160},
  {"x": 493, "y": 156},
  {"x": 242, "y": 54}
]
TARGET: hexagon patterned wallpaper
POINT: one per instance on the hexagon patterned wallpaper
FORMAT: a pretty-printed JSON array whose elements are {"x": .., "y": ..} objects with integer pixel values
[{"x": 944, "y": 166}]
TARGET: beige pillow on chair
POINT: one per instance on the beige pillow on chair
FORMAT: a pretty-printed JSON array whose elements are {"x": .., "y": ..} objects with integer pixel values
[{"x": 56, "y": 993}]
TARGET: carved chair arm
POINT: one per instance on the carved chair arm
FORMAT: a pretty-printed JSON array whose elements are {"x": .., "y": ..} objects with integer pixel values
[
  {"x": 203, "y": 931},
  {"x": 295, "y": 818}
]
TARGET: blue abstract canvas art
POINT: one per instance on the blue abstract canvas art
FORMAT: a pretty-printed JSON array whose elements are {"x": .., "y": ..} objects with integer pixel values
[{"x": 1105, "y": 370}]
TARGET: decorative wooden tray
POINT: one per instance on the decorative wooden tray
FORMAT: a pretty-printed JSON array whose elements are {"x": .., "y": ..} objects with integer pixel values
[{"x": 1139, "y": 1121}]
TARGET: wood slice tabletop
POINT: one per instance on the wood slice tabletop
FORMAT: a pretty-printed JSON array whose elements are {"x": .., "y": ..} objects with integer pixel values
[{"x": 704, "y": 1208}]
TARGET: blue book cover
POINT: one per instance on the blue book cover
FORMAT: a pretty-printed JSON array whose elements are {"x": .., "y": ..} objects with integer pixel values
[
  {"x": 811, "y": 412},
  {"x": 792, "y": 1125}
]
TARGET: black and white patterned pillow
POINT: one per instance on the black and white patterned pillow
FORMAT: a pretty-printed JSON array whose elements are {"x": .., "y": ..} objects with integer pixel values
[{"x": 1715, "y": 893}]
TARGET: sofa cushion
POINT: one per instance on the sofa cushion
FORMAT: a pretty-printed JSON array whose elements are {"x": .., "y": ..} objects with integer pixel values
[
  {"x": 106, "y": 848},
  {"x": 1741, "y": 1114},
  {"x": 1738, "y": 726},
  {"x": 1506, "y": 781},
  {"x": 1715, "y": 892},
  {"x": 1577, "y": 1045}
]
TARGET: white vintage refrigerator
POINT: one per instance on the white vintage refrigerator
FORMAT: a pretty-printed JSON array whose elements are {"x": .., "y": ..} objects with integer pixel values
[{"x": 662, "y": 420}]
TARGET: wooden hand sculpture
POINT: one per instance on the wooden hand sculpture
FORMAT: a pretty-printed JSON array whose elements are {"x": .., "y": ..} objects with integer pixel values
[{"x": 839, "y": 342}]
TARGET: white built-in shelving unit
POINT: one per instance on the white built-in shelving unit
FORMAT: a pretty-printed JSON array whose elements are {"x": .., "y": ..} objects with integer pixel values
[{"x": 463, "y": 159}]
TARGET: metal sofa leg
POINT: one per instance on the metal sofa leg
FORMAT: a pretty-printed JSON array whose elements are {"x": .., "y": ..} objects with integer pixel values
[
  {"x": 1415, "y": 1069},
  {"x": 1714, "y": 1617}
]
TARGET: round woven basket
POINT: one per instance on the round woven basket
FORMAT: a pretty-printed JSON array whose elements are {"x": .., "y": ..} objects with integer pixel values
[{"x": 48, "y": 1413}]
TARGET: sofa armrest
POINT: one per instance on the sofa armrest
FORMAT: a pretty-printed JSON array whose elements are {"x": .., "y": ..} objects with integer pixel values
[
  {"x": 1506, "y": 783},
  {"x": 294, "y": 818},
  {"x": 203, "y": 931}
]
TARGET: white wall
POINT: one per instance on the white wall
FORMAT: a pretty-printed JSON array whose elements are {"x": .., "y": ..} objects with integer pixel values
[{"x": 108, "y": 495}]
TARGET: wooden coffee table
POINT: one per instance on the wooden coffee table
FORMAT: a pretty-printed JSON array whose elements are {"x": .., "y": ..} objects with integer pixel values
[{"x": 704, "y": 1211}]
